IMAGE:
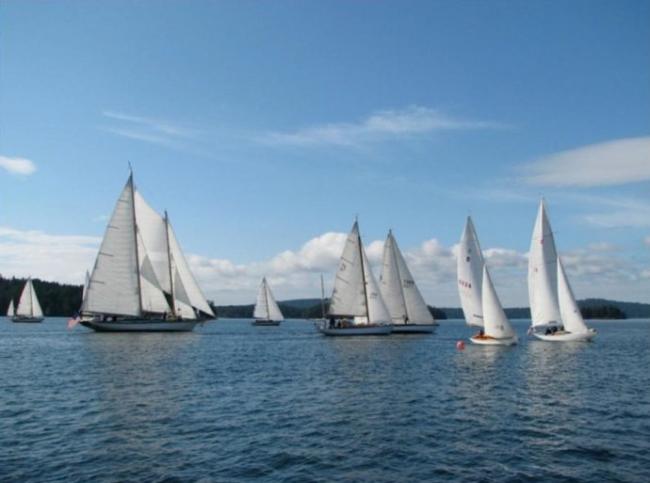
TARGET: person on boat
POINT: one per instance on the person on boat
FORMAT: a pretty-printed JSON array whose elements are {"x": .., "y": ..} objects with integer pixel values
[{"x": 332, "y": 323}]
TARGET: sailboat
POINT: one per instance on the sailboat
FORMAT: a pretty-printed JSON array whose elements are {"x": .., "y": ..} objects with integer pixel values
[
  {"x": 141, "y": 281},
  {"x": 554, "y": 312},
  {"x": 28, "y": 309},
  {"x": 407, "y": 308},
  {"x": 266, "y": 310},
  {"x": 356, "y": 306},
  {"x": 11, "y": 311},
  {"x": 481, "y": 305}
]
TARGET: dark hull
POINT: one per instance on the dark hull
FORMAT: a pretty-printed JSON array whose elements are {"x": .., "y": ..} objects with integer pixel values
[
  {"x": 141, "y": 325},
  {"x": 27, "y": 320},
  {"x": 266, "y": 322}
]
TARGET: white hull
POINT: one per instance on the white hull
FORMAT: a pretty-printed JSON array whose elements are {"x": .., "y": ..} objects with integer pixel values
[
  {"x": 358, "y": 330},
  {"x": 141, "y": 325},
  {"x": 414, "y": 328},
  {"x": 567, "y": 336},
  {"x": 493, "y": 341},
  {"x": 27, "y": 320}
]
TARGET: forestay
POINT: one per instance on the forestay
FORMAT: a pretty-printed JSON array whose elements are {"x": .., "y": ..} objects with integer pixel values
[{"x": 469, "y": 272}]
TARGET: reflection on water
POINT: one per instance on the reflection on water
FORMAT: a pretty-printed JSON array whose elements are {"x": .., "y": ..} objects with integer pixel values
[{"x": 232, "y": 402}]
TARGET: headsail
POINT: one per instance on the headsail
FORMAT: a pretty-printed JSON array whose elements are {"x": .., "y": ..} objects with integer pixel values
[
  {"x": 11, "y": 311},
  {"x": 398, "y": 289},
  {"x": 377, "y": 312},
  {"x": 571, "y": 316},
  {"x": 470, "y": 275},
  {"x": 542, "y": 273},
  {"x": 496, "y": 323}
]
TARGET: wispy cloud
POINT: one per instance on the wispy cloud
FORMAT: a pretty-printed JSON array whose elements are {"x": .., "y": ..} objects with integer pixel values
[
  {"x": 20, "y": 166},
  {"x": 150, "y": 130},
  {"x": 619, "y": 212},
  {"x": 378, "y": 126},
  {"x": 610, "y": 163}
]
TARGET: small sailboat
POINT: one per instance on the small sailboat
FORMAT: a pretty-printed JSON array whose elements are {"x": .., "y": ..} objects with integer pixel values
[
  {"x": 29, "y": 308},
  {"x": 266, "y": 310},
  {"x": 554, "y": 312},
  {"x": 141, "y": 281},
  {"x": 407, "y": 308},
  {"x": 481, "y": 305},
  {"x": 11, "y": 311},
  {"x": 356, "y": 306}
]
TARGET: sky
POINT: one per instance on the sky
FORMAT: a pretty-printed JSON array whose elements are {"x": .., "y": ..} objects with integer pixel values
[{"x": 264, "y": 128}]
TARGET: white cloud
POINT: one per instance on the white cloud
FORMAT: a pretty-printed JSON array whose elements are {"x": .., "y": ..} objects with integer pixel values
[
  {"x": 597, "y": 270},
  {"x": 620, "y": 212},
  {"x": 63, "y": 258},
  {"x": 610, "y": 163},
  {"x": 379, "y": 126},
  {"x": 17, "y": 165}
]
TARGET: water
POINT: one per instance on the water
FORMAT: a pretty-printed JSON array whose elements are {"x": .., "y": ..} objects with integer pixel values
[{"x": 232, "y": 402}]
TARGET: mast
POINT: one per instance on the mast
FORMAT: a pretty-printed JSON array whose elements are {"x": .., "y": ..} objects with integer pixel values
[
  {"x": 399, "y": 276},
  {"x": 266, "y": 298},
  {"x": 322, "y": 297},
  {"x": 363, "y": 275},
  {"x": 169, "y": 265},
  {"x": 135, "y": 240}
]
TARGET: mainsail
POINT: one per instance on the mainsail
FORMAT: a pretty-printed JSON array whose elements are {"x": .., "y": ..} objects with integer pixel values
[
  {"x": 571, "y": 316},
  {"x": 470, "y": 275},
  {"x": 11, "y": 311},
  {"x": 28, "y": 305},
  {"x": 496, "y": 323},
  {"x": 542, "y": 273},
  {"x": 398, "y": 289},
  {"x": 266, "y": 308},
  {"x": 356, "y": 293}
]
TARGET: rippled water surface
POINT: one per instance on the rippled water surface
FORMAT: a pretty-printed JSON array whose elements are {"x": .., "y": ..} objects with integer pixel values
[{"x": 233, "y": 402}]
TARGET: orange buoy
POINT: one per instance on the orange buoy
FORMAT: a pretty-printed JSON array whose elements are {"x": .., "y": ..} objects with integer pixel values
[{"x": 460, "y": 345}]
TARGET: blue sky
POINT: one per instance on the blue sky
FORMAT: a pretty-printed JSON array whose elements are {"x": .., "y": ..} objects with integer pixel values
[{"x": 262, "y": 126}]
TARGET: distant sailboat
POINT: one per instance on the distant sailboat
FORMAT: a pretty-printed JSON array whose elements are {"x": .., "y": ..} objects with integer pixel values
[
  {"x": 356, "y": 306},
  {"x": 481, "y": 305},
  {"x": 29, "y": 309},
  {"x": 266, "y": 310},
  {"x": 554, "y": 312},
  {"x": 141, "y": 281},
  {"x": 11, "y": 311},
  {"x": 407, "y": 308}
]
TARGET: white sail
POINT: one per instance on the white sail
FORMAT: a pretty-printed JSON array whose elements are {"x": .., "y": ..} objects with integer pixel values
[
  {"x": 496, "y": 323},
  {"x": 37, "y": 311},
  {"x": 377, "y": 311},
  {"x": 348, "y": 298},
  {"x": 571, "y": 316},
  {"x": 85, "y": 287},
  {"x": 184, "y": 311},
  {"x": 153, "y": 298},
  {"x": 194, "y": 295},
  {"x": 266, "y": 308},
  {"x": 398, "y": 289},
  {"x": 470, "y": 275},
  {"x": 114, "y": 284},
  {"x": 542, "y": 273},
  {"x": 11, "y": 311},
  {"x": 153, "y": 230}
]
